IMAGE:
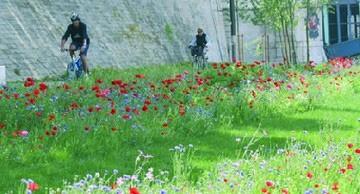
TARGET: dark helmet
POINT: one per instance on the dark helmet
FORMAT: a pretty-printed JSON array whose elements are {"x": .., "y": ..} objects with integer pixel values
[{"x": 75, "y": 17}]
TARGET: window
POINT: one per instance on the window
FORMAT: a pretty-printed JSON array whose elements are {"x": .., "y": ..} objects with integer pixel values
[
  {"x": 343, "y": 22},
  {"x": 333, "y": 26}
]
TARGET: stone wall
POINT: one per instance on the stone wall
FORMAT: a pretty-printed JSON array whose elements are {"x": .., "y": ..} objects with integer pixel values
[{"x": 123, "y": 33}]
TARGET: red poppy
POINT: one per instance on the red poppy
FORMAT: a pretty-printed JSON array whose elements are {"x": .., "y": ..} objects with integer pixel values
[
  {"x": 53, "y": 133},
  {"x": 29, "y": 82},
  {"x": 182, "y": 110},
  {"x": 16, "y": 96},
  {"x": 335, "y": 187},
  {"x": 126, "y": 117},
  {"x": 134, "y": 190},
  {"x": 269, "y": 184},
  {"x": 99, "y": 81},
  {"x": 42, "y": 86},
  {"x": 309, "y": 175},
  {"x": 264, "y": 190},
  {"x": 342, "y": 170},
  {"x": 54, "y": 128},
  {"x": 91, "y": 109},
  {"x": 116, "y": 82},
  {"x": 127, "y": 108},
  {"x": 147, "y": 102},
  {"x": 66, "y": 87},
  {"x": 74, "y": 105},
  {"x": 350, "y": 167},
  {"x": 145, "y": 108},
  {"x": 140, "y": 76},
  {"x": 165, "y": 125},
  {"x": 223, "y": 66},
  {"x": 113, "y": 129},
  {"x": 123, "y": 91},
  {"x": 33, "y": 186},
  {"x": 136, "y": 111},
  {"x": 113, "y": 111},
  {"x": 51, "y": 117},
  {"x": 284, "y": 191},
  {"x": 36, "y": 92},
  {"x": 32, "y": 101},
  {"x": 357, "y": 151},
  {"x": 166, "y": 97},
  {"x": 214, "y": 65},
  {"x": 95, "y": 88}
]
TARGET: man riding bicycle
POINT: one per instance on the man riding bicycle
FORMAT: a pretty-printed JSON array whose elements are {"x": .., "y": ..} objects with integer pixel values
[
  {"x": 80, "y": 40},
  {"x": 199, "y": 43}
]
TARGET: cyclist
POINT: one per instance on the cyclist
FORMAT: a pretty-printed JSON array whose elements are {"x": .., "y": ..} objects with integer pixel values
[
  {"x": 199, "y": 43},
  {"x": 80, "y": 40}
]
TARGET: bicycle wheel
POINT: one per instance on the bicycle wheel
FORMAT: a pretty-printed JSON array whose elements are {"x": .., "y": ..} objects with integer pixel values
[{"x": 202, "y": 62}]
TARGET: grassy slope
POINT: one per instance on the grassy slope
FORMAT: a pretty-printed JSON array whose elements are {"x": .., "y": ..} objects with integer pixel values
[{"x": 106, "y": 153}]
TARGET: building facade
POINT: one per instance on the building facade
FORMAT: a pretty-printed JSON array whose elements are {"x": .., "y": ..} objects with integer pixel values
[{"x": 334, "y": 31}]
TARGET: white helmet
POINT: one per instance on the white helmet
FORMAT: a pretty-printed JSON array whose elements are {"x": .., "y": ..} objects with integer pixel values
[{"x": 75, "y": 17}]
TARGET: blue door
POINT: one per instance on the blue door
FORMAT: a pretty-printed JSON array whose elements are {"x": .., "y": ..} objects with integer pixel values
[{"x": 341, "y": 27}]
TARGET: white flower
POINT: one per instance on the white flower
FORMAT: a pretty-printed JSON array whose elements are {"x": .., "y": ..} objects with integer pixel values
[
  {"x": 149, "y": 175},
  {"x": 134, "y": 177},
  {"x": 119, "y": 181},
  {"x": 115, "y": 171}
]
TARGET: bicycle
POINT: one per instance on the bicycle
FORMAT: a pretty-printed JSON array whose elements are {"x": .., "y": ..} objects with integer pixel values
[
  {"x": 75, "y": 68},
  {"x": 199, "y": 59}
]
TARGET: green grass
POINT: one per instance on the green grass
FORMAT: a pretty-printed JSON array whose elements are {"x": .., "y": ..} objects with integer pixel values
[{"x": 273, "y": 119}]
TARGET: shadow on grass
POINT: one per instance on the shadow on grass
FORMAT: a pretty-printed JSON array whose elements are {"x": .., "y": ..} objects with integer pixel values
[
  {"x": 285, "y": 123},
  {"x": 326, "y": 108}
]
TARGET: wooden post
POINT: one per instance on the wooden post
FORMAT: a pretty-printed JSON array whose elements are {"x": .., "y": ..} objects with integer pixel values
[
  {"x": 268, "y": 48},
  {"x": 233, "y": 30},
  {"x": 264, "y": 47},
  {"x": 2, "y": 75},
  {"x": 242, "y": 48}
]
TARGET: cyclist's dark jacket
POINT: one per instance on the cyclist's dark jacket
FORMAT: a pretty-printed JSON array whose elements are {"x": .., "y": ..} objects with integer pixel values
[
  {"x": 78, "y": 34},
  {"x": 201, "y": 40}
]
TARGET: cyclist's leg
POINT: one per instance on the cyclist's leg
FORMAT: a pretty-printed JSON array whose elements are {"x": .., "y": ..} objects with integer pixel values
[
  {"x": 84, "y": 60},
  {"x": 72, "y": 48}
]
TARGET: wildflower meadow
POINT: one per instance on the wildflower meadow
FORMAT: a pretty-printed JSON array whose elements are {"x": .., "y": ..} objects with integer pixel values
[{"x": 230, "y": 128}]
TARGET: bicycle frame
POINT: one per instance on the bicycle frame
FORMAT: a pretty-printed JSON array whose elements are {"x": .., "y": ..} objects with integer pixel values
[
  {"x": 75, "y": 67},
  {"x": 199, "y": 62}
]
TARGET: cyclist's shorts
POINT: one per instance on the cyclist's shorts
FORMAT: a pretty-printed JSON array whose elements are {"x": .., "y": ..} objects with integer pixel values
[{"x": 79, "y": 45}]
